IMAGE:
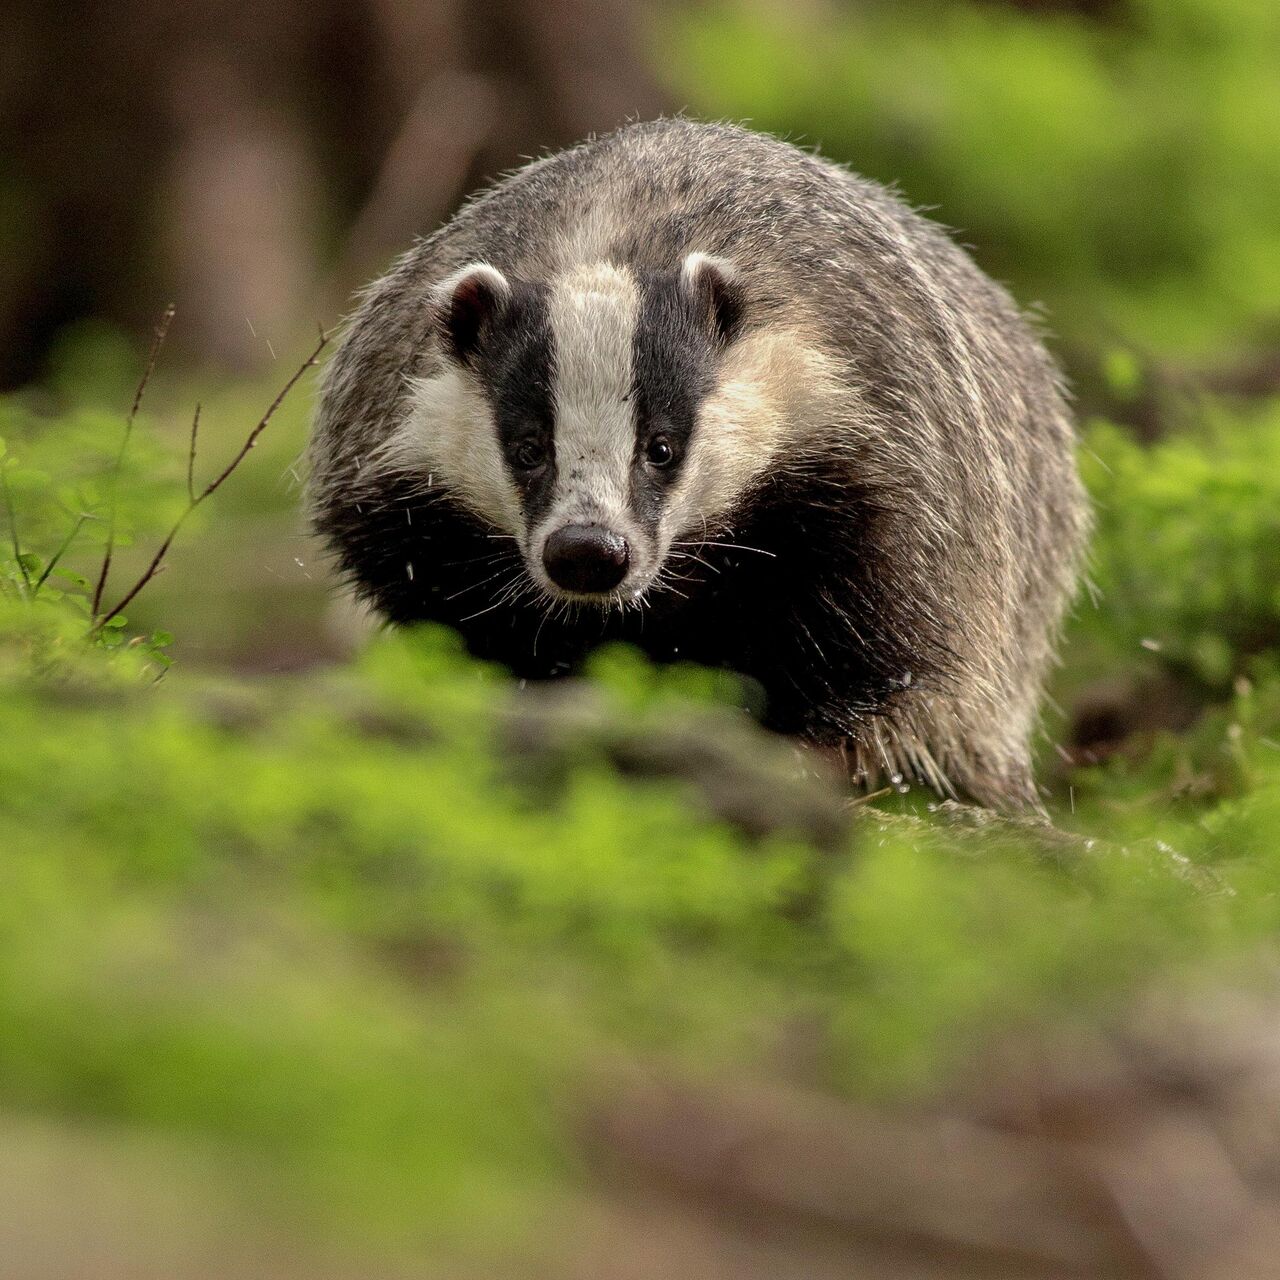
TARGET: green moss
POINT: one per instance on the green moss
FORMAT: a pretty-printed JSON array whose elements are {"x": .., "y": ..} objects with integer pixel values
[{"x": 321, "y": 924}]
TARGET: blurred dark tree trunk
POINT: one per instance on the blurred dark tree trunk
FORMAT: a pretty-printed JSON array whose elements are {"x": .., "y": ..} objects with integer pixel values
[
  {"x": 493, "y": 83},
  {"x": 253, "y": 161}
]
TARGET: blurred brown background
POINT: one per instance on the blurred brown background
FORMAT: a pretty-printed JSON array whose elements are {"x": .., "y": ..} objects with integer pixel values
[{"x": 254, "y": 162}]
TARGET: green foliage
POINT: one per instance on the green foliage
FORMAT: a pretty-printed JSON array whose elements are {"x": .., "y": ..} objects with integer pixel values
[
  {"x": 56, "y": 495},
  {"x": 322, "y": 922},
  {"x": 58, "y": 469},
  {"x": 1125, "y": 172},
  {"x": 1187, "y": 549},
  {"x": 328, "y": 928},
  {"x": 99, "y": 495},
  {"x": 1180, "y": 621}
]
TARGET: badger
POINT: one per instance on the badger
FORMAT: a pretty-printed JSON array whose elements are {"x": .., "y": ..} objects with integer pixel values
[{"x": 693, "y": 388}]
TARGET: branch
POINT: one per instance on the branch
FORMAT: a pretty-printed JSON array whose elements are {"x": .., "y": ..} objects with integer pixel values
[
  {"x": 61, "y": 551},
  {"x": 191, "y": 456},
  {"x": 195, "y": 499},
  {"x": 162, "y": 330},
  {"x": 309, "y": 363},
  {"x": 12, "y": 520}
]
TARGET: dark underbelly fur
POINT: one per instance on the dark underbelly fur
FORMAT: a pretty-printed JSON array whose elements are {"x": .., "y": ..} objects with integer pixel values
[{"x": 809, "y": 614}]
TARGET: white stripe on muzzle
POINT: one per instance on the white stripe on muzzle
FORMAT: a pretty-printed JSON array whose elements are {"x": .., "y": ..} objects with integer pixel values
[{"x": 594, "y": 311}]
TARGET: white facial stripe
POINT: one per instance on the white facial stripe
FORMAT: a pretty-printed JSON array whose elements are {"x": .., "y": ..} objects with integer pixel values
[
  {"x": 770, "y": 383},
  {"x": 594, "y": 311},
  {"x": 449, "y": 437}
]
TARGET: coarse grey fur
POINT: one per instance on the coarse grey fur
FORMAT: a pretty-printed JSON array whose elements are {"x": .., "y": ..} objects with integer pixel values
[{"x": 889, "y": 389}]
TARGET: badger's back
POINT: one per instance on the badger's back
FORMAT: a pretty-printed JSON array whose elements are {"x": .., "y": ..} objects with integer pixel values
[{"x": 894, "y": 564}]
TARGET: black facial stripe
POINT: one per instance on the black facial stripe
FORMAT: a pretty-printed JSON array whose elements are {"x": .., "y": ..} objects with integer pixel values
[
  {"x": 516, "y": 367},
  {"x": 674, "y": 359}
]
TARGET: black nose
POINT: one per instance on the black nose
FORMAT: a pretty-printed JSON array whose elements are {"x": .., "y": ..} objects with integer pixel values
[{"x": 586, "y": 558}]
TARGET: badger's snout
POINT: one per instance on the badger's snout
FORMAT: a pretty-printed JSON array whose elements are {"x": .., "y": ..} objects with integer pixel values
[{"x": 586, "y": 558}]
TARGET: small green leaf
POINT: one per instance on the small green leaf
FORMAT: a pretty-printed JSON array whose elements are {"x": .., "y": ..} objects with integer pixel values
[
  {"x": 116, "y": 623},
  {"x": 161, "y": 638}
]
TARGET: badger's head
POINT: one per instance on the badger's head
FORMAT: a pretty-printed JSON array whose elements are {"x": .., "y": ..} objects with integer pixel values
[{"x": 596, "y": 418}]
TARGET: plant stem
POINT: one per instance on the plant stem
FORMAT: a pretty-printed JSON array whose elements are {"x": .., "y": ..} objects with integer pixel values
[
  {"x": 57, "y": 555},
  {"x": 157, "y": 342},
  {"x": 191, "y": 456},
  {"x": 195, "y": 499},
  {"x": 13, "y": 527}
]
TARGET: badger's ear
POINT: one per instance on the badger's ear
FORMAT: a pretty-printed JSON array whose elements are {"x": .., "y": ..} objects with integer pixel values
[
  {"x": 716, "y": 292},
  {"x": 467, "y": 303}
]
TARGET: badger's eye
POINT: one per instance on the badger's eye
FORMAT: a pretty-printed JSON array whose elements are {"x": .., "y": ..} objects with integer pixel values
[
  {"x": 530, "y": 455},
  {"x": 659, "y": 452}
]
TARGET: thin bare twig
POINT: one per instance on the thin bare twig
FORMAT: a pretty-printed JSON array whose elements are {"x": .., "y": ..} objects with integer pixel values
[
  {"x": 212, "y": 487},
  {"x": 191, "y": 456},
  {"x": 309, "y": 363},
  {"x": 12, "y": 519},
  {"x": 149, "y": 573},
  {"x": 61, "y": 551},
  {"x": 162, "y": 330}
]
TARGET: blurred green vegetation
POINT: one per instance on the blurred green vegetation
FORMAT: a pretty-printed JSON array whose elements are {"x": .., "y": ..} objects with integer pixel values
[
  {"x": 322, "y": 927},
  {"x": 326, "y": 931},
  {"x": 1122, "y": 169},
  {"x": 319, "y": 925}
]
